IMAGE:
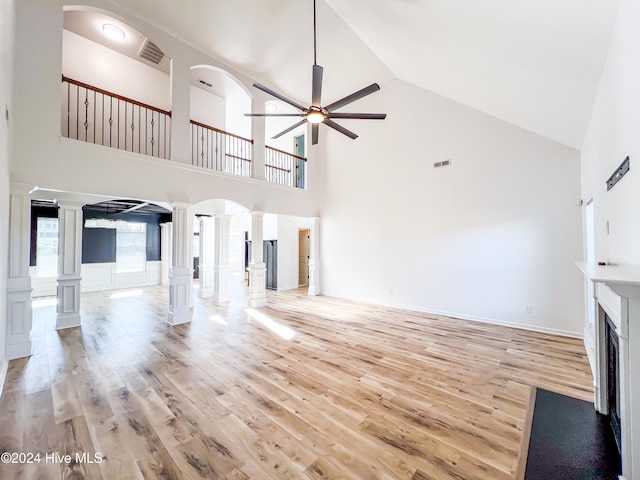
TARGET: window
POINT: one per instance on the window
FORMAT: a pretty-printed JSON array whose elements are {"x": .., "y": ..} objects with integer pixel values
[
  {"x": 47, "y": 247},
  {"x": 131, "y": 247},
  {"x": 590, "y": 236}
]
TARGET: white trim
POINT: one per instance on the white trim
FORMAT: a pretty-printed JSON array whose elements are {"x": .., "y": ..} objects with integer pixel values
[
  {"x": 462, "y": 316},
  {"x": 4, "y": 367}
]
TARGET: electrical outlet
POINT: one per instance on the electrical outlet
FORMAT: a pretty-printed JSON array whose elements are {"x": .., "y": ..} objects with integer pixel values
[{"x": 528, "y": 309}]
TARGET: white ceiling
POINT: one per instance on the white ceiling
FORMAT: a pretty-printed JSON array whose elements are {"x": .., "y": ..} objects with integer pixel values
[{"x": 534, "y": 63}]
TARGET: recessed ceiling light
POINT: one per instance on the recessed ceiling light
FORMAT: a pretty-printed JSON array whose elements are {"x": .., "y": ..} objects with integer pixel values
[
  {"x": 270, "y": 107},
  {"x": 113, "y": 32}
]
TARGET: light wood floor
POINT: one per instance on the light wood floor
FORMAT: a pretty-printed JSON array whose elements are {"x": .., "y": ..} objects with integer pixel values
[{"x": 358, "y": 392}]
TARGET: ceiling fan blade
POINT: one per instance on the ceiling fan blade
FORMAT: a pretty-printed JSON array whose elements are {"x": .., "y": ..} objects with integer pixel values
[
  {"x": 361, "y": 116},
  {"x": 374, "y": 87},
  {"x": 278, "y": 96},
  {"x": 301, "y": 122},
  {"x": 315, "y": 127},
  {"x": 344, "y": 131},
  {"x": 317, "y": 86},
  {"x": 274, "y": 114}
]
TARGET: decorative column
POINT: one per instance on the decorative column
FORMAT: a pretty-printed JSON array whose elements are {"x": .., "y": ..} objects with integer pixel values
[
  {"x": 19, "y": 313},
  {"x": 258, "y": 135},
  {"x": 257, "y": 268},
  {"x": 166, "y": 241},
  {"x": 69, "y": 263},
  {"x": 314, "y": 257},
  {"x": 180, "y": 110},
  {"x": 221, "y": 259},
  {"x": 207, "y": 244},
  {"x": 181, "y": 273}
]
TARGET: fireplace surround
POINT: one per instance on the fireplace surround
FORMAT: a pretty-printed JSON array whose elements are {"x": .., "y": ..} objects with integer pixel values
[{"x": 617, "y": 296}]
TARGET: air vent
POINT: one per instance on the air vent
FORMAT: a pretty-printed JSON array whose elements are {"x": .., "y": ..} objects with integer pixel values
[
  {"x": 151, "y": 52},
  {"x": 205, "y": 83},
  {"x": 444, "y": 163}
]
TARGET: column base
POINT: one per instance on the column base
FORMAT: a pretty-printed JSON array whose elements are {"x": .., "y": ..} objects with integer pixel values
[
  {"x": 68, "y": 313},
  {"x": 221, "y": 284},
  {"x": 205, "y": 289},
  {"x": 19, "y": 317},
  {"x": 179, "y": 296},
  {"x": 314, "y": 278},
  {"x": 68, "y": 321},
  {"x": 257, "y": 285}
]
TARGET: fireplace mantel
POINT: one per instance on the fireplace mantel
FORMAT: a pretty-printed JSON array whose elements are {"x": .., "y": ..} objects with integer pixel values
[{"x": 623, "y": 281}]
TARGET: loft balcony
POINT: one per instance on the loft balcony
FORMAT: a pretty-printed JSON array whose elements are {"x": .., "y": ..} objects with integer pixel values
[{"x": 93, "y": 115}]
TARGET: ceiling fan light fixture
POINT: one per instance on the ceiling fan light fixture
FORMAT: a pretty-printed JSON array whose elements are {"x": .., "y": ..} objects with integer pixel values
[
  {"x": 270, "y": 107},
  {"x": 315, "y": 117}
]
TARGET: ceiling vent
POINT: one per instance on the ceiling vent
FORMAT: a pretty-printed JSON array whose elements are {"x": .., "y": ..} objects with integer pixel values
[
  {"x": 151, "y": 52},
  {"x": 444, "y": 163},
  {"x": 205, "y": 83}
]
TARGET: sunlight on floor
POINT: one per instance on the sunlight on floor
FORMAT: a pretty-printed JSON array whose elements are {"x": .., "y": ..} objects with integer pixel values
[
  {"x": 46, "y": 302},
  {"x": 282, "y": 330},
  {"x": 126, "y": 293},
  {"x": 218, "y": 319}
]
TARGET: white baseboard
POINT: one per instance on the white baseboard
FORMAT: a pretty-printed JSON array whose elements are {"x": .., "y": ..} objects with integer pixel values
[
  {"x": 4, "y": 367},
  {"x": 462, "y": 316}
]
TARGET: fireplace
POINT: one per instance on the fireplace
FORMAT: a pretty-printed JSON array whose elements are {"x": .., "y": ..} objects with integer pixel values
[
  {"x": 613, "y": 344},
  {"x": 613, "y": 377}
]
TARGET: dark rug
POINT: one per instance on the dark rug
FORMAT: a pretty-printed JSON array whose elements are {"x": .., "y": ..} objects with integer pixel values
[{"x": 570, "y": 441}]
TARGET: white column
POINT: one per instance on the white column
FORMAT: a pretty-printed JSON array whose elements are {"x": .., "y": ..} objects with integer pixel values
[
  {"x": 207, "y": 257},
  {"x": 314, "y": 257},
  {"x": 257, "y": 133},
  {"x": 257, "y": 268},
  {"x": 19, "y": 313},
  {"x": 221, "y": 259},
  {"x": 181, "y": 273},
  {"x": 180, "y": 111},
  {"x": 69, "y": 263},
  {"x": 166, "y": 241}
]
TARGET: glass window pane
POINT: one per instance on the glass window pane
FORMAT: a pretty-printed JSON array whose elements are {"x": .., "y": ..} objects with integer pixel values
[
  {"x": 47, "y": 247},
  {"x": 131, "y": 247}
]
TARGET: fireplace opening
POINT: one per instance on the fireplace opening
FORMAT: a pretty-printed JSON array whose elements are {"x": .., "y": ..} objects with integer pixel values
[{"x": 613, "y": 378}]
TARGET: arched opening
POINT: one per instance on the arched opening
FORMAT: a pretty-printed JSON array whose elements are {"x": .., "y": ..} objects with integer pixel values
[
  {"x": 220, "y": 133},
  {"x": 115, "y": 86}
]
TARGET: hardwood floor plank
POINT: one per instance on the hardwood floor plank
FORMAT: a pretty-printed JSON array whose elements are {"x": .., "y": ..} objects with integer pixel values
[{"x": 360, "y": 391}]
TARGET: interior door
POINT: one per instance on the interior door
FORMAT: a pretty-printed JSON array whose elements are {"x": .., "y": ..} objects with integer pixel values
[
  {"x": 303, "y": 258},
  {"x": 298, "y": 148}
]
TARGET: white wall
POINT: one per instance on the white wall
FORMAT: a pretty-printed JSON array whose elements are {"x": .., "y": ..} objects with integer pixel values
[
  {"x": 208, "y": 108},
  {"x": 481, "y": 239},
  {"x": 6, "y": 72},
  {"x": 270, "y": 227},
  {"x": 612, "y": 135},
  {"x": 101, "y": 67}
]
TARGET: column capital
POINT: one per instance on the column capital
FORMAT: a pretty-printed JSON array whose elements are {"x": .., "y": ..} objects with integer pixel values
[
  {"x": 179, "y": 204},
  {"x": 64, "y": 202}
]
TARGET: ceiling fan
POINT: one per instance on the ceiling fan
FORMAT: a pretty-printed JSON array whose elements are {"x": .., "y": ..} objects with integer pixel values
[{"x": 316, "y": 113}]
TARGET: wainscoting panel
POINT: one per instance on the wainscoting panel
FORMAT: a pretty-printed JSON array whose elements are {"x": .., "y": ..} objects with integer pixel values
[{"x": 100, "y": 276}]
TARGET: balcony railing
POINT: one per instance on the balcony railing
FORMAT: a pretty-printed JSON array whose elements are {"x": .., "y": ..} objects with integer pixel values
[
  {"x": 215, "y": 149},
  {"x": 93, "y": 115},
  {"x": 284, "y": 168}
]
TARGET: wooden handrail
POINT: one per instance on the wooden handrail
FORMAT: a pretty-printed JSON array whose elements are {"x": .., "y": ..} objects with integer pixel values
[
  {"x": 277, "y": 168},
  {"x": 209, "y": 127},
  {"x": 286, "y": 153},
  {"x": 236, "y": 157},
  {"x": 114, "y": 95}
]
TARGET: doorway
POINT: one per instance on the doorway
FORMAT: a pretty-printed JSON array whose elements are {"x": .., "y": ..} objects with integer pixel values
[
  {"x": 303, "y": 258},
  {"x": 298, "y": 149}
]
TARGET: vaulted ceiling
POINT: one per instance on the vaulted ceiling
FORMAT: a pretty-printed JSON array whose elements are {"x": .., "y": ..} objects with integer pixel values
[{"x": 534, "y": 63}]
